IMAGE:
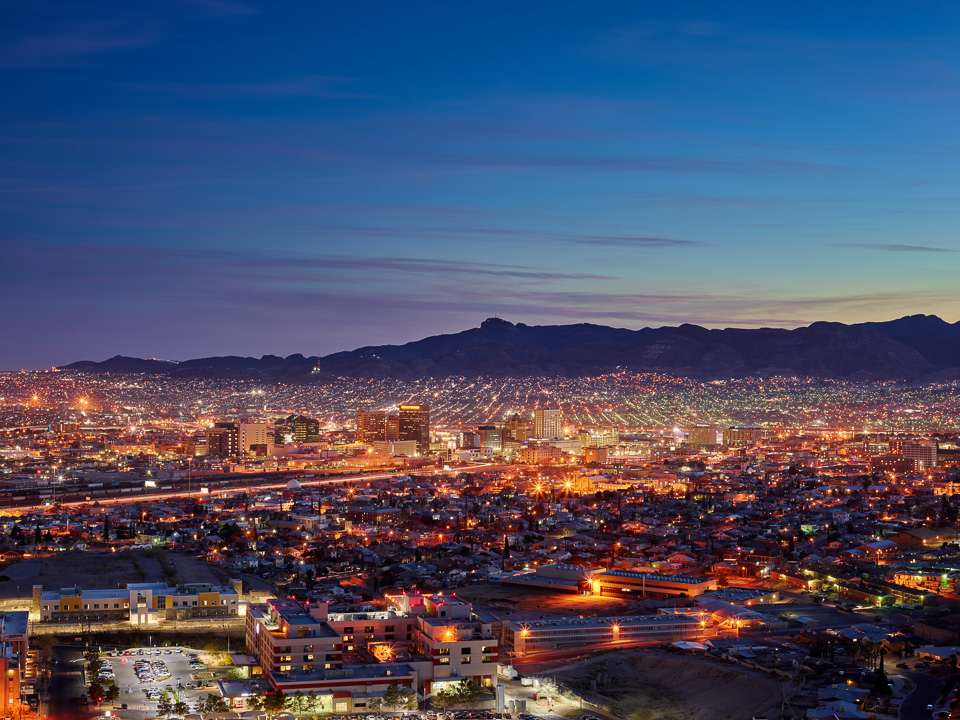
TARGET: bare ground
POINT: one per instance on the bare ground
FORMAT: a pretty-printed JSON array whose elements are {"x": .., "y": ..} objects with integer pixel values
[
  {"x": 638, "y": 685},
  {"x": 104, "y": 570}
]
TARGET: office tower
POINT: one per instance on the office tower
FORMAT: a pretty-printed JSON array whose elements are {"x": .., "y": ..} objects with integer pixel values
[
  {"x": 296, "y": 428},
  {"x": 415, "y": 425},
  {"x": 704, "y": 435},
  {"x": 223, "y": 440},
  {"x": 517, "y": 429},
  {"x": 252, "y": 437},
  {"x": 371, "y": 427},
  {"x": 742, "y": 436},
  {"x": 547, "y": 423},
  {"x": 393, "y": 428},
  {"x": 923, "y": 451},
  {"x": 491, "y": 437}
]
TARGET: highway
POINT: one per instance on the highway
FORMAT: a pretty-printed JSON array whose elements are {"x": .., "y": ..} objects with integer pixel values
[{"x": 216, "y": 484}]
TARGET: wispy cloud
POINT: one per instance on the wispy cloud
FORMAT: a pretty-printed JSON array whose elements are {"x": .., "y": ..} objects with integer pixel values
[
  {"x": 73, "y": 44},
  {"x": 299, "y": 86},
  {"x": 637, "y": 242},
  {"x": 415, "y": 266},
  {"x": 896, "y": 247}
]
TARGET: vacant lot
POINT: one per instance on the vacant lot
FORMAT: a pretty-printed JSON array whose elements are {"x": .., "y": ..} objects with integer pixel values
[
  {"x": 104, "y": 570},
  {"x": 639, "y": 685}
]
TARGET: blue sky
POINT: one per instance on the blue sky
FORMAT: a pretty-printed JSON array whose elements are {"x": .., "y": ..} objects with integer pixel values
[{"x": 192, "y": 178}]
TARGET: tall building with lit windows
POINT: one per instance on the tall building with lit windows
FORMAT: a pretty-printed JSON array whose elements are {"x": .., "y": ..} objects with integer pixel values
[
  {"x": 547, "y": 423},
  {"x": 371, "y": 427},
  {"x": 415, "y": 425}
]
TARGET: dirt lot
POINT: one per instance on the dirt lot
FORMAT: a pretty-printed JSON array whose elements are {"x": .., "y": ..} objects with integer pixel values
[
  {"x": 104, "y": 570},
  {"x": 641, "y": 685}
]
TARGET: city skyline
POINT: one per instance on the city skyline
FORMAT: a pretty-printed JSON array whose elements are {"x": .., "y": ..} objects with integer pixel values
[{"x": 212, "y": 178}]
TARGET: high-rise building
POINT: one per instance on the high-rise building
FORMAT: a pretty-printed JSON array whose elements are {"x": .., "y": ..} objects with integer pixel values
[
  {"x": 223, "y": 440},
  {"x": 547, "y": 423},
  {"x": 491, "y": 437},
  {"x": 296, "y": 428},
  {"x": 371, "y": 427},
  {"x": 393, "y": 428},
  {"x": 252, "y": 437},
  {"x": 516, "y": 428},
  {"x": 704, "y": 435},
  {"x": 742, "y": 436},
  {"x": 923, "y": 451},
  {"x": 415, "y": 425}
]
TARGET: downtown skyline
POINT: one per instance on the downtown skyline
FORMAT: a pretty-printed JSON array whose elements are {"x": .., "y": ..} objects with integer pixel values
[{"x": 213, "y": 178}]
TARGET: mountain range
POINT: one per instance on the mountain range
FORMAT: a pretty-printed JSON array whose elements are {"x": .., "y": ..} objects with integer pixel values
[{"x": 910, "y": 348}]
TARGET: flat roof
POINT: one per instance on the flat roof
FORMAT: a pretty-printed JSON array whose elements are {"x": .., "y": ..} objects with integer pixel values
[
  {"x": 626, "y": 620},
  {"x": 354, "y": 672},
  {"x": 14, "y": 622},
  {"x": 685, "y": 579}
]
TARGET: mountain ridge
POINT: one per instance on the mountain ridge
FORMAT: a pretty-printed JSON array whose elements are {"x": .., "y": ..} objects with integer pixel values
[{"x": 909, "y": 348}]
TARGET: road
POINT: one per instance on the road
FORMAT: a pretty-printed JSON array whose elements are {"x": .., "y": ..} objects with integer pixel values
[
  {"x": 116, "y": 497},
  {"x": 926, "y": 692},
  {"x": 66, "y": 686},
  {"x": 245, "y": 485}
]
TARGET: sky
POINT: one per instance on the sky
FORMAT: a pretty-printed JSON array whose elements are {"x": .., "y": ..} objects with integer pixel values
[{"x": 186, "y": 178}]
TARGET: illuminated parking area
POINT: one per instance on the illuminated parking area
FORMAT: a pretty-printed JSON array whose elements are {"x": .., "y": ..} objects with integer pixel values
[{"x": 145, "y": 674}]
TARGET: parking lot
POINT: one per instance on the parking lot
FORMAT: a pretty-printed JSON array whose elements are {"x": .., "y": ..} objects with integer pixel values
[{"x": 143, "y": 674}]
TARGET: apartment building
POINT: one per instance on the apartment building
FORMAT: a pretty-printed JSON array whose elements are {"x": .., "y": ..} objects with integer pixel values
[
  {"x": 138, "y": 603},
  {"x": 424, "y": 642}
]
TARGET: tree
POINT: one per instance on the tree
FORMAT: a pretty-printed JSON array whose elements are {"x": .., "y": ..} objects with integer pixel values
[
  {"x": 209, "y": 704},
  {"x": 400, "y": 698},
  {"x": 95, "y": 692},
  {"x": 106, "y": 528},
  {"x": 111, "y": 692},
  {"x": 297, "y": 701},
  {"x": 444, "y": 698},
  {"x": 274, "y": 702},
  {"x": 506, "y": 548},
  {"x": 164, "y": 707},
  {"x": 469, "y": 691},
  {"x": 376, "y": 704},
  {"x": 548, "y": 690},
  {"x": 180, "y": 707}
]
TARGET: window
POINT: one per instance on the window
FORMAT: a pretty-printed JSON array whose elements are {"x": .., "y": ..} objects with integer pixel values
[
  {"x": 444, "y": 661},
  {"x": 388, "y": 628},
  {"x": 464, "y": 651},
  {"x": 464, "y": 659},
  {"x": 369, "y": 629},
  {"x": 348, "y": 630},
  {"x": 96, "y": 606}
]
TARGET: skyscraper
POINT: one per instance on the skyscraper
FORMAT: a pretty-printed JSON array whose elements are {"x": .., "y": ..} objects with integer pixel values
[
  {"x": 371, "y": 426},
  {"x": 547, "y": 423},
  {"x": 296, "y": 428},
  {"x": 415, "y": 425}
]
